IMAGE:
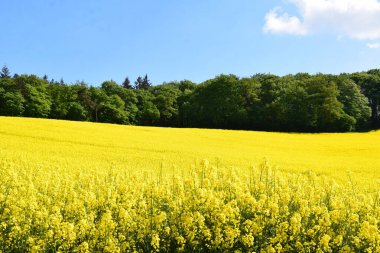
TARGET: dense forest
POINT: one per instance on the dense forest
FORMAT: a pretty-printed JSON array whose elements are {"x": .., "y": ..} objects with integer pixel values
[{"x": 297, "y": 103}]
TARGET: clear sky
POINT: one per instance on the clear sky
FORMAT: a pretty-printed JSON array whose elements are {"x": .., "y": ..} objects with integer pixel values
[{"x": 97, "y": 40}]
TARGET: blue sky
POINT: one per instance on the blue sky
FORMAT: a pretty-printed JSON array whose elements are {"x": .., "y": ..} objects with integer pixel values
[{"x": 98, "y": 40}]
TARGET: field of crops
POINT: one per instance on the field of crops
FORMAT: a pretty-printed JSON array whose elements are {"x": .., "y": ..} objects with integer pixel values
[{"x": 85, "y": 187}]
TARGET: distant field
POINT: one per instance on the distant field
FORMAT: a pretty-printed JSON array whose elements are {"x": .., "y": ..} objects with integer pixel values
[
  {"x": 81, "y": 144},
  {"x": 85, "y": 187}
]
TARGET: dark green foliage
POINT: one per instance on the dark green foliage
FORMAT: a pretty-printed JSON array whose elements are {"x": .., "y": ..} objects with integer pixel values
[
  {"x": 301, "y": 102},
  {"x": 268, "y": 93},
  {"x": 12, "y": 103},
  {"x": 142, "y": 83},
  {"x": 11, "y": 100},
  {"x": 166, "y": 97},
  {"x": 185, "y": 85},
  {"x": 76, "y": 112},
  {"x": 370, "y": 86},
  {"x": 292, "y": 107},
  {"x": 112, "y": 110},
  {"x": 5, "y": 73},
  {"x": 37, "y": 103},
  {"x": 148, "y": 113},
  {"x": 128, "y": 97},
  {"x": 34, "y": 91},
  {"x": 97, "y": 100},
  {"x": 326, "y": 111},
  {"x": 218, "y": 103},
  {"x": 355, "y": 103},
  {"x": 127, "y": 84}
]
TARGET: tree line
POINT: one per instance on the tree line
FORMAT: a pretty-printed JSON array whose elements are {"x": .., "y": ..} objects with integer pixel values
[{"x": 297, "y": 103}]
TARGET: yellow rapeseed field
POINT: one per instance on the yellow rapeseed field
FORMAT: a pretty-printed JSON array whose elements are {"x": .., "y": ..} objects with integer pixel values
[
  {"x": 85, "y": 187},
  {"x": 82, "y": 144}
]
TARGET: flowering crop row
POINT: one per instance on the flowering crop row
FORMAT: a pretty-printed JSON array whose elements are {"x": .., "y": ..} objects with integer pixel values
[{"x": 205, "y": 209}]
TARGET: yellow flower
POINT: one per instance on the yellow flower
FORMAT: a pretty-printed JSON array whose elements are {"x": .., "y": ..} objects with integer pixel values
[
  {"x": 324, "y": 242},
  {"x": 248, "y": 240},
  {"x": 155, "y": 242},
  {"x": 338, "y": 240}
]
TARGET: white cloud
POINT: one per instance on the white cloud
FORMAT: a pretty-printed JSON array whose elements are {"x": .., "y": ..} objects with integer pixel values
[
  {"x": 284, "y": 23},
  {"x": 357, "y": 19},
  {"x": 373, "y": 45}
]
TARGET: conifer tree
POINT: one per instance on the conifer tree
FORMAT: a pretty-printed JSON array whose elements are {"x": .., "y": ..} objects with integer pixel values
[
  {"x": 5, "y": 73},
  {"x": 127, "y": 84}
]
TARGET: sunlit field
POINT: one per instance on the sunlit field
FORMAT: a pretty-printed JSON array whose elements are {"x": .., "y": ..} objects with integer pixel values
[
  {"x": 85, "y": 187},
  {"x": 89, "y": 145}
]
